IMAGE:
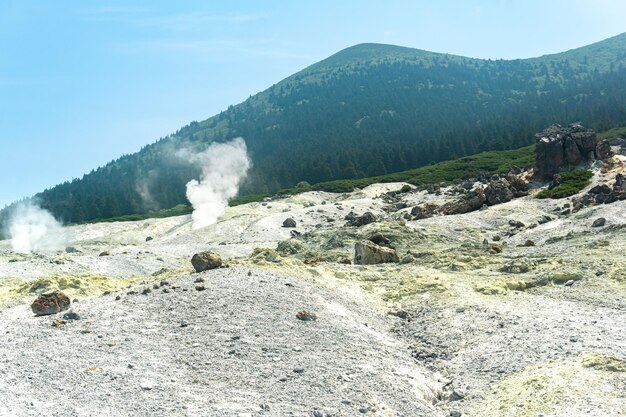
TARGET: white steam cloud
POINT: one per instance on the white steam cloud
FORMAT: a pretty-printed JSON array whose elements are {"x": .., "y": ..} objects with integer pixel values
[
  {"x": 224, "y": 166},
  {"x": 33, "y": 229},
  {"x": 142, "y": 187}
]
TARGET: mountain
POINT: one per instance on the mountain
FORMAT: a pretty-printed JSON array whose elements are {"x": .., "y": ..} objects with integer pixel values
[{"x": 368, "y": 110}]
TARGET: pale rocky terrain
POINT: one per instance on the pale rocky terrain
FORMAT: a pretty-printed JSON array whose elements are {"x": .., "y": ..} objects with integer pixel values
[{"x": 482, "y": 323}]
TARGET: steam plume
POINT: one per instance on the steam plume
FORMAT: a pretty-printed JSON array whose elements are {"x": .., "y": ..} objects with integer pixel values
[
  {"x": 33, "y": 229},
  {"x": 142, "y": 187},
  {"x": 224, "y": 166}
]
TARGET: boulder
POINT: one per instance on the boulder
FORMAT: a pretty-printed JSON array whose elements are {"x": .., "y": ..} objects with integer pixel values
[
  {"x": 369, "y": 253},
  {"x": 423, "y": 211},
  {"x": 291, "y": 223},
  {"x": 204, "y": 261},
  {"x": 50, "y": 303},
  {"x": 365, "y": 218},
  {"x": 558, "y": 148},
  {"x": 604, "y": 151},
  {"x": 471, "y": 201},
  {"x": 498, "y": 192},
  {"x": 599, "y": 222}
]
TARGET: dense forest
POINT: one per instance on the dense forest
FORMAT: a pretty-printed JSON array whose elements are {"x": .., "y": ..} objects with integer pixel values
[{"x": 365, "y": 111}]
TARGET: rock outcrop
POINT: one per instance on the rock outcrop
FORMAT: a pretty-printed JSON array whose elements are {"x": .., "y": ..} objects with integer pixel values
[
  {"x": 204, "y": 261},
  {"x": 471, "y": 201},
  {"x": 558, "y": 148},
  {"x": 498, "y": 192},
  {"x": 369, "y": 253},
  {"x": 602, "y": 194},
  {"x": 50, "y": 303}
]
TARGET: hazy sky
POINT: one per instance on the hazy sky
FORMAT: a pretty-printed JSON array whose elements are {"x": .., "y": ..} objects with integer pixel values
[{"x": 83, "y": 82}]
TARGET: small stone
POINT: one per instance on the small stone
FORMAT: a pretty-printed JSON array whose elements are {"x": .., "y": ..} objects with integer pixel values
[
  {"x": 455, "y": 414},
  {"x": 305, "y": 315},
  {"x": 399, "y": 313},
  {"x": 599, "y": 222},
  {"x": 71, "y": 315},
  {"x": 200, "y": 288},
  {"x": 298, "y": 370},
  {"x": 457, "y": 395},
  {"x": 118, "y": 297},
  {"x": 105, "y": 253},
  {"x": 290, "y": 223},
  {"x": 199, "y": 279},
  {"x": 146, "y": 385},
  {"x": 146, "y": 291},
  {"x": 569, "y": 283}
]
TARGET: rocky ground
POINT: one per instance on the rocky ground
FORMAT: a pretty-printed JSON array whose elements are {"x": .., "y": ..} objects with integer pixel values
[{"x": 517, "y": 309}]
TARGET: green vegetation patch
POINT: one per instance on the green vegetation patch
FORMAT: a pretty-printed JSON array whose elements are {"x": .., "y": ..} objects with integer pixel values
[
  {"x": 493, "y": 162},
  {"x": 573, "y": 183},
  {"x": 617, "y": 132},
  {"x": 178, "y": 210}
]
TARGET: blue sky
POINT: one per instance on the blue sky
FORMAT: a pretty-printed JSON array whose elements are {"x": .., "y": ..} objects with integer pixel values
[{"x": 83, "y": 82}]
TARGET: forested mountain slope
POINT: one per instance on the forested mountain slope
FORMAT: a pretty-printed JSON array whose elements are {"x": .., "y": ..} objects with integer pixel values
[{"x": 368, "y": 110}]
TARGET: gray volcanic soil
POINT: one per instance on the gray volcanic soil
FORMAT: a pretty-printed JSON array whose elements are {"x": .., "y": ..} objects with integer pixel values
[{"x": 234, "y": 349}]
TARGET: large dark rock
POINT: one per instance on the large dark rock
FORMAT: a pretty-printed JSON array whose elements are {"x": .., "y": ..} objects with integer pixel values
[
  {"x": 424, "y": 210},
  {"x": 559, "y": 148},
  {"x": 204, "y": 261},
  {"x": 471, "y": 201},
  {"x": 50, "y": 303},
  {"x": 498, "y": 192},
  {"x": 604, "y": 151},
  {"x": 290, "y": 223},
  {"x": 365, "y": 218}
]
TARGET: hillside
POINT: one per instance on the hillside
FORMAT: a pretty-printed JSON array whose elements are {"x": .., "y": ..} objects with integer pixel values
[{"x": 366, "y": 111}]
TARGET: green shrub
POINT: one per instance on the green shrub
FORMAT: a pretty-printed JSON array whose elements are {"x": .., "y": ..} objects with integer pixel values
[
  {"x": 254, "y": 198},
  {"x": 573, "y": 182}
]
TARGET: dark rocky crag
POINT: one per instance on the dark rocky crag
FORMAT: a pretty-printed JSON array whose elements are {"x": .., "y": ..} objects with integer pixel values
[{"x": 559, "y": 148}]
